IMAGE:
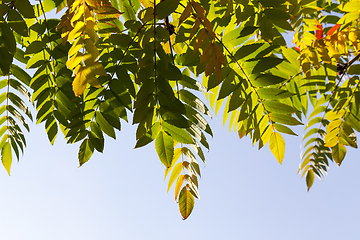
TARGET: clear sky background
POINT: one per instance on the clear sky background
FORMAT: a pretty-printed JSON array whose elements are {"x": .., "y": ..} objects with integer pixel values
[{"x": 121, "y": 194}]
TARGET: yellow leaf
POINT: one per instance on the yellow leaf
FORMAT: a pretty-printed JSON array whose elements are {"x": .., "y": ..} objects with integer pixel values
[
  {"x": 175, "y": 173},
  {"x": 6, "y": 157},
  {"x": 177, "y": 153},
  {"x": 74, "y": 61},
  {"x": 93, "y": 3},
  {"x": 277, "y": 146},
  {"x": 77, "y": 45},
  {"x": 90, "y": 77},
  {"x": 331, "y": 142},
  {"x": 178, "y": 185},
  {"x": 147, "y": 3},
  {"x": 84, "y": 75},
  {"x": 79, "y": 27},
  {"x": 352, "y": 36},
  {"x": 79, "y": 83},
  {"x": 78, "y": 15},
  {"x": 323, "y": 53},
  {"x": 92, "y": 35},
  {"x": 90, "y": 48}
]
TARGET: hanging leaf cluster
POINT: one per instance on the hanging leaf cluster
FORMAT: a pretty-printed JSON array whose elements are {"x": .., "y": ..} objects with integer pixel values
[{"x": 89, "y": 66}]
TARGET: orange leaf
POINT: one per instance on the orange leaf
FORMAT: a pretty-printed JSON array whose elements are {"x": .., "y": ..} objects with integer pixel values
[
  {"x": 319, "y": 32},
  {"x": 333, "y": 30}
]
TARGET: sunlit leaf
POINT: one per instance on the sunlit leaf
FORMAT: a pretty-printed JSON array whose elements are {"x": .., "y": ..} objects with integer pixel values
[
  {"x": 309, "y": 178},
  {"x": 277, "y": 146},
  {"x": 6, "y": 156},
  {"x": 164, "y": 146},
  {"x": 186, "y": 203}
]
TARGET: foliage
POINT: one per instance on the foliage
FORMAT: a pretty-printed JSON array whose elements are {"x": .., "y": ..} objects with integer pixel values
[{"x": 99, "y": 61}]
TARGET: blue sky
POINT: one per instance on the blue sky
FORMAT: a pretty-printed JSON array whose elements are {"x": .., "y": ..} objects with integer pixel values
[{"x": 121, "y": 194}]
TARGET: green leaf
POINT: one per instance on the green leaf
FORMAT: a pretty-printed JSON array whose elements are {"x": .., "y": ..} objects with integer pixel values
[
  {"x": 354, "y": 69},
  {"x": 164, "y": 146},
  {"x": 190, "y": 156},
  {"x": 168, "y": 71},
  {"x": 51, "y": 129},
  {"x": 278, "y": 107},
  {"x": 191, "y": 83},
  {"x": 85, "y": 152},
  {"x": 20, "y": 74},
  {"x": 309, "y": 179},
  {"x": 186, "y": 203},
  {"x": 277, "y": 146},
  {"x": 17, "y": 23},
  {"x": 199, "y": 120},
  {"x": 35, "y": 47},
  {"x": 129, "y": 11},
  {"x": 165, "y": 8},
  {"x": 247, "y": 30},
  {"x": 178, "y": 134},
  {"x": 236, "y": 100},
  {"x": 279, "y": 18},
  {"x": 284, "y": 118},
  {"x": 8, "y": 37},
  {"x": 274, "y": 93},
  {"x": 25, "y": 8},
  {"x": 266, "y": 63},
  {"x": 338, "y": 153},
  {"x": 283, "y": 129},
  {"x": 272, "y": 3},
  {"x": 18, "y": 102},
  {"x": 192, "y": 185},
  {"x": 194, "y": 101},
  {"x": 246, "y": 50},
  {"x": 104, "y": 125},
  {"x": 122, "y": 74},
  {"x": 266, "y": 79},
  {"x": 120, "y": 92}
]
